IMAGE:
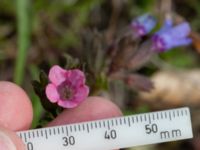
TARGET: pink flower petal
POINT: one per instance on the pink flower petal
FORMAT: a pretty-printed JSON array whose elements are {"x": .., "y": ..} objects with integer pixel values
[
  {"x": 76, "y": 77},
  {"x": 51, "y": 93},
  {"x": 62, "y": 80},
  {"x": 81, "y": 94},
  {"x": 57, "y": 75},
  {"x": 67, "y": 104}
]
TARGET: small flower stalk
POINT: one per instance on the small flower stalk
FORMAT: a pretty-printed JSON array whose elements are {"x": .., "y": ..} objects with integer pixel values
[
  {"x": 166, "y": 38},
  {"x": 67, "y": 88},
  {"x": 126, "y": 46},
  {"x": 132, "y": 55}
]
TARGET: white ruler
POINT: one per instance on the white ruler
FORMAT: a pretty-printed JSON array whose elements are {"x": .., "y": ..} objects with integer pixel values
[{"x": 113, "y": 133}]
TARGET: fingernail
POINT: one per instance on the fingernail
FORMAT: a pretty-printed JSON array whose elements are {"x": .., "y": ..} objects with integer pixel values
[{"x": 6, "y": 143}]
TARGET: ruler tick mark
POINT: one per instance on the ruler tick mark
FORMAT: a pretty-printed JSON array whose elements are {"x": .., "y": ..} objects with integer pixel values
[
  {"x": 99, "y": 124},
  {"x": 157, "y": 114},
  {"x": 174, "y": 114},
  {"x": 129, "y": 123},
  {"x": 70, "y": 128},
  {"x": 170, "y": 117},
  {"x": 54, "y": 131},
  {"x": 45, "y": 131},
  {"x": 79, "y": 127},
  {"x": 112, "y": 122},
  {"x": 50, "y": 131},
  {"x": 29, "y": 135},
  {"x": 25, "y": 136},
  {"x": 67, "y": 132},
  {"x": 20, "y": 135},
  {"x": 149, "y": 118},
  {"x": 58, "y": 130},
  {"x": 74, "y": 128},
  {"x": 133, "y": 119},
  {"x": 62, "y": 130},
  {"x": 165, "y": 115},
  {"x": 161, "y": 115},
  {"x": 91, "y": 125},
  {"x": 108, "y": 124},
  {"x": 124, "y": 120},
  {"x": 104, "y": 124},
  {"x": 33, "y": 134},
  {"x": 136, "y": 118},
  {"x": 181, "y": 112},
  {"x": 37, "y": 133},
  {"x": 145, "y": 117},
  {"x": 83, "y": 126},
  {"x": 141, "y": 120},
  {"x": 153, "y": 116},
  {"x": 186, "y": 112},
  {"x": 88, "y": 130},
  {"x": 120, "y": 121},
  {"x": 116, "y": 122},
  {"x": 41, "y": 132},
  {"x": 177, "y": 113}
]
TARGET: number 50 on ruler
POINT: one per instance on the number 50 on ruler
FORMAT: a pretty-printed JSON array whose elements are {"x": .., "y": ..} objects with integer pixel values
[{"x": 113, "y": 133}]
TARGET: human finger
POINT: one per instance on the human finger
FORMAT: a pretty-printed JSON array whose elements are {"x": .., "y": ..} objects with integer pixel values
[
  {"x": 10, "y": 141},
  {"x": 93, "y": 108},
  {"x": 16, "y": 111}
]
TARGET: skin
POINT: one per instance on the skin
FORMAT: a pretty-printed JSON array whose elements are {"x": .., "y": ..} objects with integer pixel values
[
  {"x": 15, "y": 106},
  {"x": 91, "y": 109}
]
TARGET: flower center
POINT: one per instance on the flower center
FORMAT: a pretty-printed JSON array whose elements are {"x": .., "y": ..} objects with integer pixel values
[
  {"x": 140, "y": 29},
  {"x": 158, "y": 43},
  {"x": 65, "y": 91}
]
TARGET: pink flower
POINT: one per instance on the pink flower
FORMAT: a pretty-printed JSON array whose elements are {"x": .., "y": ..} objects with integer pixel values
[{"x": 67, "y": 87}]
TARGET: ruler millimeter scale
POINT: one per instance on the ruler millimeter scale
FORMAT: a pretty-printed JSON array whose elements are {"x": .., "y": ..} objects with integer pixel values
[{"x": 113, "y": 133}]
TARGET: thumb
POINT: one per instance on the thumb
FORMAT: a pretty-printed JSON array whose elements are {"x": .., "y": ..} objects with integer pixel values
[{"x": 10, "y": 141}]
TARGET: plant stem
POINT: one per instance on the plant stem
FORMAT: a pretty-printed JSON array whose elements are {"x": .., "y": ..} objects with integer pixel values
[{"x": 23, "y": 39}]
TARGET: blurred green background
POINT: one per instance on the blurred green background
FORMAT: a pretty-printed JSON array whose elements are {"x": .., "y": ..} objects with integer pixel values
[{"x": 34, "y": 34}]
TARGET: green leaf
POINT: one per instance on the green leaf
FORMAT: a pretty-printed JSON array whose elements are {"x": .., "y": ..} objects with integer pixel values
[{"x": 43, "y": 79}]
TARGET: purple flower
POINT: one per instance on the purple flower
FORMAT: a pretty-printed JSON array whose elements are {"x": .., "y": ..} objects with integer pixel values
[
  {"x": 142, "y": 25},
  {"x": 67, "y": 87},
  {"x": 168, "y": 36}
]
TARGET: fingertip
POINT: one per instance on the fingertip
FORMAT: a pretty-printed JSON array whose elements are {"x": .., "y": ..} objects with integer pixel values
[
  {"x": 93, "y": 108},
  {"x": 15, "y": 107},
  {"x": 10, "y": 141}
]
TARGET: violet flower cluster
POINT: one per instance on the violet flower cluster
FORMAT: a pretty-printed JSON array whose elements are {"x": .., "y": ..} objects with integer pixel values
[{"x": 167, "y": 37}]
